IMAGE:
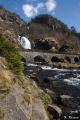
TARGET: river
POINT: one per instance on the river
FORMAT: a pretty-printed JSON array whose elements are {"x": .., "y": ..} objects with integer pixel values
[
  {"x": 65, "y": 81},
  {"x": 70, "y": 76}
]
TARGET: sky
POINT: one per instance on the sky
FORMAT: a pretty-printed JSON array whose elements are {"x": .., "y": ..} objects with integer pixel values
[{"x": 68, "y": 11}]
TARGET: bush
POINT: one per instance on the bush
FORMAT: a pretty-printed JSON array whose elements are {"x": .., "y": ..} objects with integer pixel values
[
  {"x": 8, "y": 50},
  {"x": 46, "y": 99}
]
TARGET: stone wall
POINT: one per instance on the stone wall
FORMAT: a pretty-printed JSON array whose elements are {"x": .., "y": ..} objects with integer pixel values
[{"x": 49, "y": 56}]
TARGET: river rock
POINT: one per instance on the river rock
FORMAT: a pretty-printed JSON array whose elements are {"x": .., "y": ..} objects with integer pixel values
[
  {"x": 74, "y": 113},
  {"x": 65, "y": 99},
  {"x": 55, "y": 111},
  {"x": 48, "y": 79},
  {"x": 51, "y": 93}
]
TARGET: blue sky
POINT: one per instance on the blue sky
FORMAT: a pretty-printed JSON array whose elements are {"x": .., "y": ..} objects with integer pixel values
[{"x": 68, "y": 11}]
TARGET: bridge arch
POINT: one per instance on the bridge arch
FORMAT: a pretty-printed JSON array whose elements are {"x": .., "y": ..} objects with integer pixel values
[
  {"x": 68, "y": 59},
  {"x": 39, "y": 59},
  {"x": 76, "y": 59},
  {"x": 55, "y": 59}
]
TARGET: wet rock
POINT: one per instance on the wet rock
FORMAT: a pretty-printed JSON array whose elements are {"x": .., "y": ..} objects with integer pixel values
[
  {"x": 65, "y": 99},
  {"x": 55, "y": 111},
  {"x": 48, "y": 79},
  {"x": 51, "y": 93},
  {"x": 74, "y": 113},
  {"x": 32, "y": 76}
]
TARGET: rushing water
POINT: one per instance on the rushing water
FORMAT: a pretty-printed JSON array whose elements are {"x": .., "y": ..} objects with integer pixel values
[
  {"x": 25, "y": 43},
  {"x": 65, "y": 81},
  {"x": 70, "y": 76}
]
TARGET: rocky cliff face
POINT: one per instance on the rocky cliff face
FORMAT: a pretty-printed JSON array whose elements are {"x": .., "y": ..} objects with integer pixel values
[
  {"x": 48, "y": 43},
  {"x": 11, "y": 24}
]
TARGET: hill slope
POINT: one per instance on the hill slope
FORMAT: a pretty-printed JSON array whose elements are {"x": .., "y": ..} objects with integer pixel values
[
  {"x": 46, "y": 26},
  {"x": 38, "y": 28},
  {"x": 11, "y": 24}
]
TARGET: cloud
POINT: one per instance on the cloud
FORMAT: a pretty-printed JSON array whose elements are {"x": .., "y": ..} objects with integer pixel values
[
  {"x": 30, "y": 10},
  {"x": 50, "y": 5}
]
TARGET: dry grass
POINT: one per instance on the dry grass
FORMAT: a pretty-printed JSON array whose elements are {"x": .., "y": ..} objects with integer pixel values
[
  {"x": 8, "y": 78},
  {"x": 65, "y": 65},
  {"x": 2, "y": 113},
  {"x": 26, "y": 83},
  {"x": 5, "y": 82},
  {"x": 27, "y": 98},
  {"x": 6, "y": 74}
]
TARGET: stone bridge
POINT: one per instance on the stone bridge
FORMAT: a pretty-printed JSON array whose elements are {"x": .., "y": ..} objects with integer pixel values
[{"x": 45, "y": 56}]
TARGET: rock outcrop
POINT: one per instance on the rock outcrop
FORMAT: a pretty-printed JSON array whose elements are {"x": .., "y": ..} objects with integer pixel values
[
  {"x": 11, "y": 24},
  {"x": 20, "y": 107},
  {"x": 48, "y": 43}
]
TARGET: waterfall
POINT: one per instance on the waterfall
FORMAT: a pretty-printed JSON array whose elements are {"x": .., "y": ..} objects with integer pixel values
[{"x": 25, "y": 43}]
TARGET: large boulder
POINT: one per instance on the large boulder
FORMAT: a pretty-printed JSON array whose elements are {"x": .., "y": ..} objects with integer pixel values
[
  {"x": 65, "y": 99},
  {"x": 39, "y": 112},
  {"x": 51, "y": 94},
  {"x": 55, "y": 111}
]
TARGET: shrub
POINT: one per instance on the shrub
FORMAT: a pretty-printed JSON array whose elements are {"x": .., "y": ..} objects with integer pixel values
[
  {"x": 8, "y": 50},
  {"x": 46, "y": 99}
]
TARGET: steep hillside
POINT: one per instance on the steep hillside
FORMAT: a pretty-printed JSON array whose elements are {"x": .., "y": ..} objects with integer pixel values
[
  {"x": 11, "y": 24},
  {"x": 39, "y": 28},
  {"x": 51, "y": 22},
  {"x": 43, "y": 26}
]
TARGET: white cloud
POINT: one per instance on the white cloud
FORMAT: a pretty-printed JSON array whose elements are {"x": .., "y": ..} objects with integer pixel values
[
  {"x": 31, "y": 10},
  {"x": 28, "y": 10},
  {"x": 40, "y": 5},
  {"x": 50, "y": 5}
]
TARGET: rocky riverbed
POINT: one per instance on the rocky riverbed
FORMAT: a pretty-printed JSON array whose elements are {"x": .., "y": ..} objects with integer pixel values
[{"x": 65, "y": 95}]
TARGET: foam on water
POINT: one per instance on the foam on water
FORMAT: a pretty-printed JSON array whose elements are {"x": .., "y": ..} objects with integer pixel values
[
  {"x": 70, "y": 76},
  {"x": 69, "y": 80},
  {"x": 63, "y": 73},
  {"x": 30, "y": 64},
  {"x": 72, "y": 81},
  {"x": 46, "y": 67}
]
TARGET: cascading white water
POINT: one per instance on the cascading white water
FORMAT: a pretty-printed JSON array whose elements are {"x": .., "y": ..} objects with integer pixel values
[
  {"x": 25, "y": 43},
  {"x": 59, "y": 74}
]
